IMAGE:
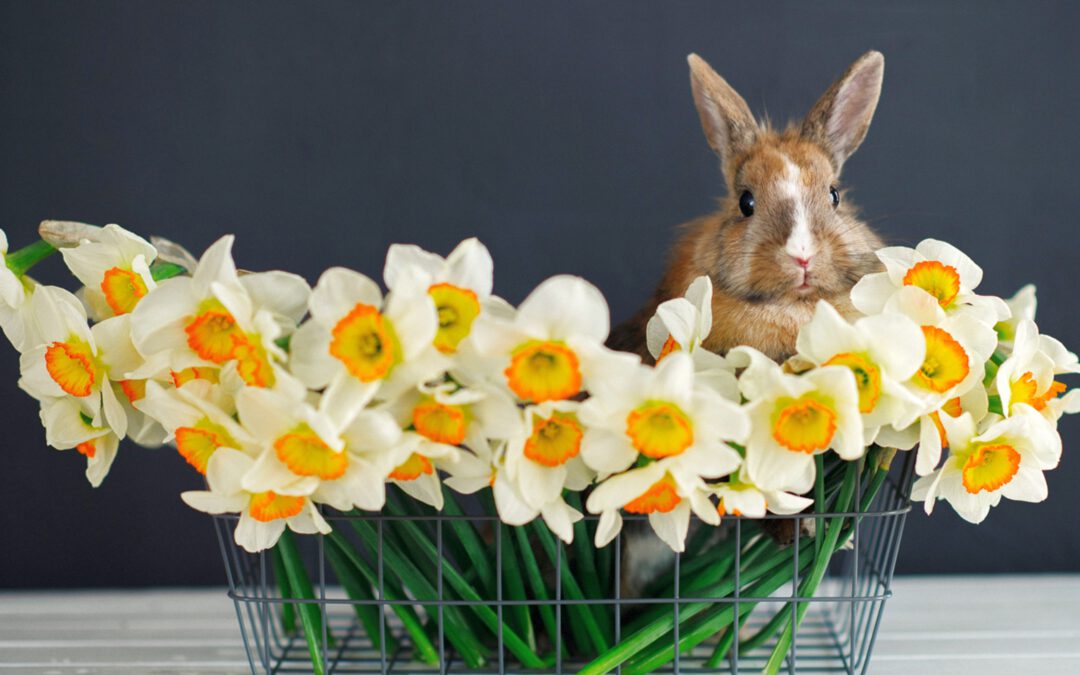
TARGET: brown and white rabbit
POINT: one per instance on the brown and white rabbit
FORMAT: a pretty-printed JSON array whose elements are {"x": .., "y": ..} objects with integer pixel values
[{"x": 783, "y": 236}]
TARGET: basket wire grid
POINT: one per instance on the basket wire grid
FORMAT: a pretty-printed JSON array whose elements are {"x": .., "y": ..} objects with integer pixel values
[{"x": 836, "y": 635}]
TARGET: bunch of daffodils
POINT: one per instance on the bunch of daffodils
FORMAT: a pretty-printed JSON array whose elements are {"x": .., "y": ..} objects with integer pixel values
[{"x": 289, "y": 398}]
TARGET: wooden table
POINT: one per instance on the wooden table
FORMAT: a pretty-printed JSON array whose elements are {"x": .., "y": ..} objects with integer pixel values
[{"x": 991, "y": 625}]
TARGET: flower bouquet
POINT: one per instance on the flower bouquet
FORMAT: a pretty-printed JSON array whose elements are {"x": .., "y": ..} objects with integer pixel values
[{"x": 466, "y": 466}]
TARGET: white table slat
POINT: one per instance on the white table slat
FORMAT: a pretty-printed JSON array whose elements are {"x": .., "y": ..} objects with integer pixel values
[{"x": 999, "y": 625}]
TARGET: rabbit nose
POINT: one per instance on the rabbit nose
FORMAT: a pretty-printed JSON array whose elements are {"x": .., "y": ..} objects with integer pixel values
[{"x": 802, "y": 262}]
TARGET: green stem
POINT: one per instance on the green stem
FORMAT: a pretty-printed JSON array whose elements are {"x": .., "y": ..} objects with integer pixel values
[
  {"x": 583, "y": 614},
  {"x": 511, "y": 639},
  {"x": 20, "y": 262},
  {"x": 586, "y": 563},
  {"x": 288, "y": 612},
  {"x": 817, "y": 573},
  {"x": 995, "y": 405},
  {"x": 392, "y": 594},
  {"x": 475, "y": 549},
  {"x": 701, "y": 629},
  {"x": 369, "y": 615},
  {"x": 463, "y": 639},
  {"x": 515, "y": 588},
  {"x": 662, "y": 625},
  {"x": 727, "y": 639},
  {"x": 819, "y": 499},
  {"x": 310, "y": 616},
  {"x": 998, "y": 358},
  {"x": 536, "y": 583}
]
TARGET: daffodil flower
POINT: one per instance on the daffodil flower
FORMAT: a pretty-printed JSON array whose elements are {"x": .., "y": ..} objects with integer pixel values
[
  {"x": 957, "y": 348},
  {"x": 221, "y": 318},
  {"x": 739, "y": 496},
  {"x": 882, "y": 352},
  {"x": 928, "y": 432},
  {"x": 794, "y": 417},
  {"x": 667, "y": 491},
  {"x": 76, "y": 361},
  {"x": 114, "y": 267},
  {"x": 444, "y": 412},
  {"x": 67, "y": 427},
  {"x": 552, "y": 349},
  {"x": 263, "y": 515},
  {"x": 662, "y": 414},
  {"x": 682, "y": 324},
  {"x": 357, "y": 343},
  {"x": 15, "y": 316},
  {"x": 306, "y": 452},
  {"x": 416, "y": 461},
  {"x": 484, "y": 465},
  {"x": 1022, "y": 307},
  {"x": 936, "y": 268},
  {"x": 543, "y": 455},
  {"x": 1026, "y": 378},
  {"x": 199, "y": 420},
  {"x": 459, "y": 285},
  {"x": 1006, "y": 460}
]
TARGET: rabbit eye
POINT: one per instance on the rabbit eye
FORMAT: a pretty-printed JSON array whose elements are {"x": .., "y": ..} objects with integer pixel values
[
  {"x": 834, "y": 195},
  {"x": 746, "y": 203}
]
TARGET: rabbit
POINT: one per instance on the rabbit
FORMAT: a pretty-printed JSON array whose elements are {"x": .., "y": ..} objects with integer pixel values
[{"x": 783, "y": 237}]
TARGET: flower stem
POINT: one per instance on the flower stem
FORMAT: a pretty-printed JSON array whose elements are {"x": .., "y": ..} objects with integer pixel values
[
  {"x": 288, "y": 611},
  {"x": 161, "y": 270},
  {"x": 817, "y": 572},
  {"x": 408, "y": 616},
  {"x": 369, "y": 615},
  {"x": 20, "y": 262},
  {"x": 475, "y": 549},
  {"x": 310, "y": 616},
  {"x": 536, "y": 583},
  {"x": 463, "y": 639},
  {"x": 583, "y": 614},
  {"x": 511, "y": 639},
  {"x": 515, "y": 588},
  {"x": 586, "y": 563}
]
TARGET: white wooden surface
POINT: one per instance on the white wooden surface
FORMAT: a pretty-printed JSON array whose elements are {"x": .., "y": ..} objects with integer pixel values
[{"x": 1007, "y": 625}]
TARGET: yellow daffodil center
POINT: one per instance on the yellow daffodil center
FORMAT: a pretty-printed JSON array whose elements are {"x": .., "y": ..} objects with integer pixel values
[
  {"x": 555, "y": 440},
  {"x": 661, "y": 497},
  {"x": 252, "y": 361},
  {"x": 936, "y": 278},
  {"x": 544, "y": 371},
  {"x": 804, "y": 425},
  {"x": 123, "y": 289},
  {"x": 458, "y": 308},
  {"x": 440, "y": 422},
  {"x": 658, "y": 429},
  {"x": 307, "y": 455},
  {"x": 182, "y": 377},
  {"x": 71, "y": 365},
  {"x": 1025, "y": 390},
  {"x": 134, "y": 390},
  {"x": 989, "y": 467},
  {"x": 87, "y": 448},
  {"x": 199, "y": 441},
  {"x": 210, "y": 332},
  {"x": 412, "y": 468},
  {"x": 867, "y": 378},
  {"x": 267, "y": 506},
  {"x": 946, "y": 362},
  {"x": 670, "y": 345},
  {"x": 366, "y": 343}
]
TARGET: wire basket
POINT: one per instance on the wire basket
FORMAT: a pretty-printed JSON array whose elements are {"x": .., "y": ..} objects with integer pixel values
[{"x": 835, "y": 635}]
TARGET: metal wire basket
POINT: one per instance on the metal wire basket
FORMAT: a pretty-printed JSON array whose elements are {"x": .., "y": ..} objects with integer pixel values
[{"x": 836, "y": 634}]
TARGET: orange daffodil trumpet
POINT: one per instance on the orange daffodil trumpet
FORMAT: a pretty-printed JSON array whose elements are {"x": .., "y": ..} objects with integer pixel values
[{"x": 290, "y": 400}]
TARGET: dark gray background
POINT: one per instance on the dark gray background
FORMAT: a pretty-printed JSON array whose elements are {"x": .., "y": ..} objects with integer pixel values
[{"x": 563, "y": 135}]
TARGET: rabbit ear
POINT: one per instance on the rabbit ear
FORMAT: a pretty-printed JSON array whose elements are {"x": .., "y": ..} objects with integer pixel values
[
  {"x": 729, "y": 126},
  {"x": 840, "y": 119}
]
